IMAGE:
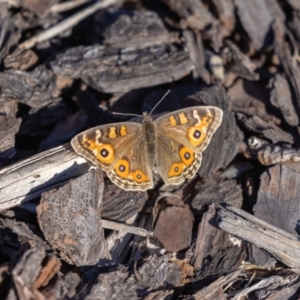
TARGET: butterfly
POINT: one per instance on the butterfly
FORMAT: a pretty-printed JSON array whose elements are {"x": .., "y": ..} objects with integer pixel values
[{"x": 172, "y": 144}]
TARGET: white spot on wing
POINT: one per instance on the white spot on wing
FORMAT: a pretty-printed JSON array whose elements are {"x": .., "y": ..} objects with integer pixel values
[
  {"x": 98, "y": 136},
  {"x": 196, "y": 116}
]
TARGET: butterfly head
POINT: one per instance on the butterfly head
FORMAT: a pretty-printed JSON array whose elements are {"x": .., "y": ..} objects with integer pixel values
[{"x": 146, "y": 117}]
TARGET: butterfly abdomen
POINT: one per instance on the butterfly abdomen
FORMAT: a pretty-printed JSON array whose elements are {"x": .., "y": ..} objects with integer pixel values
[{"x": 150, "y": 138}]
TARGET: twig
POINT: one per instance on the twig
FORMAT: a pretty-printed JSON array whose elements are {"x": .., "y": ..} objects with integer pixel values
[
  {"x": 64, "y": 6},
  {"x": 66, "y": 24},
  {"x": 124, "y": 228}
]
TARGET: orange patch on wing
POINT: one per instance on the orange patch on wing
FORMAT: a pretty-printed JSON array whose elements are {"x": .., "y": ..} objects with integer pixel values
[
  {"x": 197, "y": 134},
  {"x": 176, "y": 169},
  {"x": 187, "y": 156},
  {"x": 172, "y": 121},
  {"x": 112, "y": 132},
  {"x": 182, "y": 118},
  {"x": 122, "y": 168},
  {"x": 123, "y": 130},
  {"x": 104, "y": 152},
  {"x": 138, "y": 176}
]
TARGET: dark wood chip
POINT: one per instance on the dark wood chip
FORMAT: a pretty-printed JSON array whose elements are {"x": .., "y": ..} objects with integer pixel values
[
  {"x": 36, "y": 88},
  {"x": 226, "y": 15},
  {"x": 49, "y": 270},
  {"x": 112, "y": 70},
  {"x": 294, "y": 25},
  {"x": 121, "y": 205},
  {"x": 63, "y": 287},
  {"x": 281, "y": 97},
  {"x": 29, "y": 267},
  {"x": 216, "y": 191},
  {"x": 34, "y": 270},
  {"x": 9, "y": 126},
  {"x": 231, "y": 137},
  {"x": 252, "y": 99},
  {"x": 294, "y": 3},
  {"x": 173, "y": 228},
  {"x": 214, "y": 252},
  {"x": 193, "y": 12},
  {"x": 276, "y": 10},
  {"x": 64, "y": 130},
  {"x": 35, "y": 276},
  {"x": 279, "y": 287},
  {"x": 264, "y": 129},
  {"x": 24, "y": 233},
  {"x": 197, "y": 54},
  {"x": 137, "y": 29},
  {"x": 256, "y": 20},
  {"x": 70, "y": 218},
  {"x": 20, "y": 60},
  {"x": 57, "y": 109},
  {"x": 237, "y": 62},
  {"x": 146, "y": 278},
  {"x": 9, "y": 33},
  {"x": 287, "y": 60},
  {"x": 38, "y": 7}
]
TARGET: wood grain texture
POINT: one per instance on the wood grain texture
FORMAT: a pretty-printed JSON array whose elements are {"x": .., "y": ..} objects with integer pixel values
[
  {"x": 27, "y": 179},
  {"x": 279, "y": 243}
]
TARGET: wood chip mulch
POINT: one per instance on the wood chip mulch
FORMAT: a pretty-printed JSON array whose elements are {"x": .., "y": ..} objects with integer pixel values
[{"x": 67, "y": 232}]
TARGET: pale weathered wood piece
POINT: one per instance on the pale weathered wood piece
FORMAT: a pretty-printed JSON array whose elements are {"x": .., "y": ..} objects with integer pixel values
[
  {"x": 214, "y": 290},
  {"x": 269, "y": 154},
  {"x": 125, "y": 228},
  {"x": 284, "y": 246},
  {"x": 276, "y": 287},
  {"x": 278, "y": 202},
  {"x": 27, "y": 179}
]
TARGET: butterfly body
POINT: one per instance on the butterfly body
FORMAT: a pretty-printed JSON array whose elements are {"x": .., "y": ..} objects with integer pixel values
[
  {"x": 172, "y": 144},
  {"x": 149, "y": 136}
]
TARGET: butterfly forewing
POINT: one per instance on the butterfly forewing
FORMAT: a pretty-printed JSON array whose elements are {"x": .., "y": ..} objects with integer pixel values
[{"x": 188, "y": 133}]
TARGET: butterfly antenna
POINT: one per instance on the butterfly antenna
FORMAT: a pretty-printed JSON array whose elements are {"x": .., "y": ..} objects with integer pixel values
[
  {"x": 133, "y": 115},
  {"x": 159, "y": 102}
]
